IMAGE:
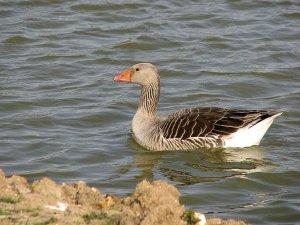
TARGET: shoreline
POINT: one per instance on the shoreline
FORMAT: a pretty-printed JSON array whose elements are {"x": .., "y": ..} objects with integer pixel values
[{"x": 45, "y": 202}]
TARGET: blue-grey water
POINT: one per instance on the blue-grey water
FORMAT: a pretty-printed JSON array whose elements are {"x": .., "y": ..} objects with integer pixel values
[{"x": 62, "y": 116}]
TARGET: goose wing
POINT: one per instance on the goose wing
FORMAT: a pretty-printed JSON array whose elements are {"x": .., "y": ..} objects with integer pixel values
[{"x": 202, "y": 122}]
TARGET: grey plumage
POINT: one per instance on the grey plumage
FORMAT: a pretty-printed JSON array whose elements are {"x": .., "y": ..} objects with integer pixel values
[
  {"x": 189, "y": 128},
  {"x": 208, "y": 121}
]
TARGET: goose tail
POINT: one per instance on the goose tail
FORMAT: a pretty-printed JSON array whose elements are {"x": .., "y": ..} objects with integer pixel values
[{"x": 251, "y": 134}]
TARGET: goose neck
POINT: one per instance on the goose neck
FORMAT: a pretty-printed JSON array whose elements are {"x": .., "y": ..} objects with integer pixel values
[{"x": 149, "y": 99}]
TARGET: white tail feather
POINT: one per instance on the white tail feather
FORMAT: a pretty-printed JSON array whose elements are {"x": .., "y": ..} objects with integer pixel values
[{"x": 249, "y": 136}]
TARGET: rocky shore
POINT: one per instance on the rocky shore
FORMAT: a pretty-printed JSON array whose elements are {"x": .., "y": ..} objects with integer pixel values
[{"x": 45, "y": 202}]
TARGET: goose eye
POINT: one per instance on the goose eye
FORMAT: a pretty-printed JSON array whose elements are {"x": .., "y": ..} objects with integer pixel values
[{"x": 137, "y": 69}]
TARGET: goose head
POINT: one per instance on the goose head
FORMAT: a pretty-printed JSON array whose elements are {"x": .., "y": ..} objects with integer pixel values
[{"x": 141, "y": 73}]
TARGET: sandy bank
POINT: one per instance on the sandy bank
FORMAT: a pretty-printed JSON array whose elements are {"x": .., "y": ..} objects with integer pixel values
[{"x": 44, "y": 202}]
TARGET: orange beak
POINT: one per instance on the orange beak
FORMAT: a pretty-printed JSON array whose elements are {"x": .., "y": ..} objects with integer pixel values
[{"x": 124, "y": 77}]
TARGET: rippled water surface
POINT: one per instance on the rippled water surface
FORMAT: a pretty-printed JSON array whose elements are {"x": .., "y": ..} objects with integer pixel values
[{"x": 62, "y": 116}]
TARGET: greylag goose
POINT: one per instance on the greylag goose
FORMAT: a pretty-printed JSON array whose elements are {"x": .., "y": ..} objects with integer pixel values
[{"x": 190, "y": 128}]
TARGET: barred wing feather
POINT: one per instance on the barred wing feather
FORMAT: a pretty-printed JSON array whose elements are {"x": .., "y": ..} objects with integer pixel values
[{"x": 203, "y": 122}]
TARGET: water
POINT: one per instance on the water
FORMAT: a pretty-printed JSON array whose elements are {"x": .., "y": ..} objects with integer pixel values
[{"x": 62, "y": 116}]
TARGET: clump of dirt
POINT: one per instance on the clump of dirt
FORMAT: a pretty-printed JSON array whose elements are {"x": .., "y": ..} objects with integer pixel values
[
  {"x": 44, "y": 202},
  {"x": 153, "y": 203},
  {"x": 217, "y": 221}
]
